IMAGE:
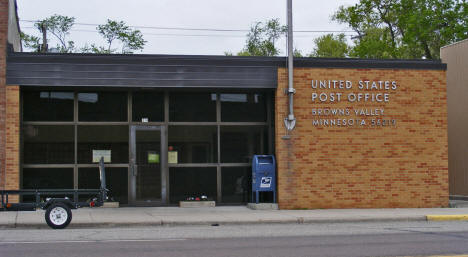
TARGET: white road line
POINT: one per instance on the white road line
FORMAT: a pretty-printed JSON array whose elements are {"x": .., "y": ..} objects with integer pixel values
[{"x": 92, "y": 241}]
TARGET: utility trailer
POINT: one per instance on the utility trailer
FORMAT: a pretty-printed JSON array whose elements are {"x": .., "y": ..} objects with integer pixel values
[{"x": 58, "y": 203}]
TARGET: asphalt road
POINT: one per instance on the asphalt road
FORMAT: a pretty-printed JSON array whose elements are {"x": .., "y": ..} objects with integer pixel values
[{"x": 345, "y": 239}]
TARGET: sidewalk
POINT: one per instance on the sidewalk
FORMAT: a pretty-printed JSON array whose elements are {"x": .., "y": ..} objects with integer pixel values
[{"x": 175, "y": 216}]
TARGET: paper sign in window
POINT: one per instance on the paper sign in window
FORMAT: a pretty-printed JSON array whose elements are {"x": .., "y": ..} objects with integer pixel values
[
  {"x": 172, "y": 156},
  {"x": 97, "y": 154},
  {"x": 153, "y": 157}
]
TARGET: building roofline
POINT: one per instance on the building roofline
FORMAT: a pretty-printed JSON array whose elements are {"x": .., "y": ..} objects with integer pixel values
[
  {"x": 456, "y": 43},
  {"x": 280, "y": 61}
]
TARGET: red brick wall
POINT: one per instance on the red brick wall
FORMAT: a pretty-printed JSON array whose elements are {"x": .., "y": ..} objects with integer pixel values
[{"x": 401, "y": 165}]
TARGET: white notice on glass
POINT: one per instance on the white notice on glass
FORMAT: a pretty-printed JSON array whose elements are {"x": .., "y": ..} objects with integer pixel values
[
  {"x": 172, "y": 156},
  {"x": 97, "y": 154}
]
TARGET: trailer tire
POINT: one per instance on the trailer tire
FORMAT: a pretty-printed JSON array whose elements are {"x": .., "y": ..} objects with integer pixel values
[{"x": 58, "y": 215}]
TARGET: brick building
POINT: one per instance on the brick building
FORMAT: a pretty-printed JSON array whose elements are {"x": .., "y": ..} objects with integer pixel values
[{"x": 369, "y": 133}]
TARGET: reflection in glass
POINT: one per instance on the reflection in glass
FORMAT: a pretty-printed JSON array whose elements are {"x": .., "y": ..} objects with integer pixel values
[
  {"x": 48, "y": 144},
  {"x": 102, "y": 106},
  {"x": 192, "y": 107},
  {"x": 148, "y": 161},
  {"x": 148, "y": 105},
  {"x": 192, "y": 182},
  {"x": 248, "y": 107},
  {"x": 116, "y": 182},
  {"x": 194, "y": 144},
  {"x": 113, "y": 138},
  {"x": 240, "y": 143},
  {"x": 47, "y": 106},
  {"x": 236, "y": 184},
  {"x": 48, "y": 178}
]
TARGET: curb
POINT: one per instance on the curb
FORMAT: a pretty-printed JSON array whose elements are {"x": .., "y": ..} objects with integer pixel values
[
  {"x": 446, "y": 217},
  {"x": 299, "y": 220}
]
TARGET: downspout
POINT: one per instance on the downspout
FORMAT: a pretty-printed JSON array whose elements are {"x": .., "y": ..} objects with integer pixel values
[{"x": 290, "y": 121}]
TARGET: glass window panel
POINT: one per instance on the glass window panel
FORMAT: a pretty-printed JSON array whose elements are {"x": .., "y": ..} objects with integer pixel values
[
  {"x": 248, "y": 107},
  {"x": 236, "y": 184},
  {"x": 148, "y": 154},
  {"x": 47, "y": 106},
  {"x": 192, "y": 107},
  {"x": 48, "y": 178},
  {"x": 192, "y": 182},
  {"x": 240, "y": 143},
  {"x": 148, "y": 105},
  {"x": 102, "y": 106},
  {"x": 48, "y": 144},
  {"x": 116, "y": 181},
  {"x": 113, "y": 138},
  {"x": 194, "y": 144}
]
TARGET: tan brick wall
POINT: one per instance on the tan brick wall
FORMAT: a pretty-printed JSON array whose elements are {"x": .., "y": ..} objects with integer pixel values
[
  {"x": 405, "y": 165},
  {"x": 3, "y": 50},
  {"x": 12, "y": 137}
]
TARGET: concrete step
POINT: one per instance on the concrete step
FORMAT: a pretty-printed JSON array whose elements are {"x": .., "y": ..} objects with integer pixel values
[{"x": 458, "y": 204}]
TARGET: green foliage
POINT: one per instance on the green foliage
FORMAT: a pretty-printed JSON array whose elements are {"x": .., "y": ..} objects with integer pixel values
[
  {"x": 297, "y": 53},
  {"x": 31, "y": 42},
  {"x": 59, "y": 26},
  {"x": 117, "y": 30},
  {"x": 330, "y": 46},
  {"x": 404, "y": 28},
  {"x": 94, "y": 49},
  {"x": 262, "y": 38}
]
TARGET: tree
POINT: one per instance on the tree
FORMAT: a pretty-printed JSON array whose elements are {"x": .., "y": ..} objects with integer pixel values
[
  {"x": 262, "y": 38},
  {"x": 31, "y": 42},
  {"x": 404, "y": 28},
  {"x": 59, "y": 26},
  {"x": 331, "y": 46},
  {"x": 130, "y": 39}
]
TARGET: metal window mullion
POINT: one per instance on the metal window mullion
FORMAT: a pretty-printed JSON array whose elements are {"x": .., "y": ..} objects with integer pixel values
[
  {"x": 75, "y": 128},
  {"x": 219, "y": 184},
  {"x": 41, "y": 123},
  {"x": 51, "y": 166},
  {"x": 102, "y": 123},
  {"x": 235, "y": 164},
  {"x": 166, "y": 107},
  {"x": 129, "y": 106},
  {"x": 193, "y": 165},
  {"x": 108, "y": 165},
  {"x": 269, "y": 122},
  {"x": 190, "y": 123}
]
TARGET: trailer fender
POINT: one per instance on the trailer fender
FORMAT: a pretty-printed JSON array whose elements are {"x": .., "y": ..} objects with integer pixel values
[{"x": 65, "y": 201}]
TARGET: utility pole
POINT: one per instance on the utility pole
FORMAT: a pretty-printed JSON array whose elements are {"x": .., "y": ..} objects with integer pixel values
[
  {"x": 44, "y": 47},
  {"x": 290, "y": 121}
]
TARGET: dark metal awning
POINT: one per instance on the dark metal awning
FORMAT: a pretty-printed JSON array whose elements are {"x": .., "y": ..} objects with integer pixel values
[{"x": 158, "y": 71}]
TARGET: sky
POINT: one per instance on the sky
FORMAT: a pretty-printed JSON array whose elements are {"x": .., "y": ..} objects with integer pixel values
[{"x": 184, "y": 16}]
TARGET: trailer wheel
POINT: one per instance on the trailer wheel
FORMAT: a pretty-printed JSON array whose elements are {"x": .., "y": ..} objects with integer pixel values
[{"x": 58, "y": 215}]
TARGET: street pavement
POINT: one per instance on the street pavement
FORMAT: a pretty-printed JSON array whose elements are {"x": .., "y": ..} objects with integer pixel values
[
  {"x": 401, "y": 238},
  {"x": 226, "y": 215}
]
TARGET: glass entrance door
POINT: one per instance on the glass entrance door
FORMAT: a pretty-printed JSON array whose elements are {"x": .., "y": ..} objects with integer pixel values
[{"x": 147, "y": 166}]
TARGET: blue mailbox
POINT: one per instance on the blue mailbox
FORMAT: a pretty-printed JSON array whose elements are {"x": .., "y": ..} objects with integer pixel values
[{"x": 263, "y": 175}]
